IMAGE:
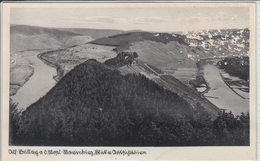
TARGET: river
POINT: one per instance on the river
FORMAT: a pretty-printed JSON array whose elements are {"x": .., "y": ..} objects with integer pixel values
[
  {"x": 221, "y": 95},
  {"x": 39, "y": 83}
]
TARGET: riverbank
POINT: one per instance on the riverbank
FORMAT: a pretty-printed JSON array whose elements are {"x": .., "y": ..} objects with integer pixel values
[
  {"x": 64, "y": 60},
  {"x": 38, "y": 84},
  {"x": 59, "y": 70},
  {"x": 230, "y": 87},
  {"x": 221, "y": 95},
  {"x": 19, "y": 76}
]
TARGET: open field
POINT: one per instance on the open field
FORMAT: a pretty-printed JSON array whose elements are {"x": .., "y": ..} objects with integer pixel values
[
  {"x": 20, "y": 71},
  {"x": 67, "y": 59},
  {"x": 171, "y": 58},
  {"x": 19, "y": 76},
  {"x": 168, "y": 56},
  {"x": 185, "y": 74}
]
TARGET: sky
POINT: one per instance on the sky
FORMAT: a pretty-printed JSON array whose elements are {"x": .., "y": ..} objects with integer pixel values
[{"x": 163, "y": 19}]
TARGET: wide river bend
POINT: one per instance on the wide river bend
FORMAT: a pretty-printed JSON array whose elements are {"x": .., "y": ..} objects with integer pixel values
[{"x": 39, "y": 83}]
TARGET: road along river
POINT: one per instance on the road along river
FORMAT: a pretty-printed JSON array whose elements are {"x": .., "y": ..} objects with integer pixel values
[
  {"x": 221, "y": 95},
  {"x": 39, "y": 83}
]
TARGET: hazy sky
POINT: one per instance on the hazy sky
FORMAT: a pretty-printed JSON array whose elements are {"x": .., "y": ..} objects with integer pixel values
[{"x": 132, "y": 18}]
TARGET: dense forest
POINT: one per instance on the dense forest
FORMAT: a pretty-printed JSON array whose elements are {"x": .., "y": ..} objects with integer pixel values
[
  {"x": 236, "y": 66},
  {"x": 94, "y": 105}
]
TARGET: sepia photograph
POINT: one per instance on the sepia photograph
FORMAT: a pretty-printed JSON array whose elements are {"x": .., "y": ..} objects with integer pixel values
[{"x": 148, "y": 75}]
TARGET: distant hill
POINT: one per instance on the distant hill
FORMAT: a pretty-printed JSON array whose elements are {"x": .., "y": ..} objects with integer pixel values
[
  {"x": 93, "y": 33},
  {"x": 179, "y": 50},
  {"x": 164, "y": 51},
  {"x": 24, "y": 37},
  {"x": 31, "y": 37},
  {"x": 123, "y": 41}
]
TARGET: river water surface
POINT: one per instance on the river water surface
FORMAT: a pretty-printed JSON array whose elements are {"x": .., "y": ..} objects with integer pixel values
[
  {"x": 221, "y": 95},
  {"x": 39, "y": 83}
]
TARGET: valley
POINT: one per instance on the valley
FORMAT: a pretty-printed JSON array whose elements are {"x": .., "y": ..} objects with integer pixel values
[
  {"x": 27, "y": 41},
  {"x": 161, "y": 57},
  {"x": 128, "y": 88}
]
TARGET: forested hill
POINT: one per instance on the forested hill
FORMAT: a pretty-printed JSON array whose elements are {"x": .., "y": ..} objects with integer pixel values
[
  {"x": 123, "y": 41},
  {"x": 94, "y": 105}
]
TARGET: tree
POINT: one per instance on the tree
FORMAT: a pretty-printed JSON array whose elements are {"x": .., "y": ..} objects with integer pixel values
[{"x": 14, "y": 122}]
